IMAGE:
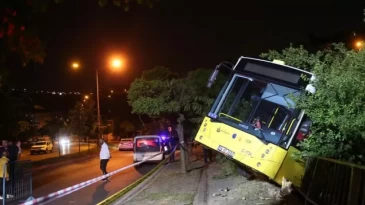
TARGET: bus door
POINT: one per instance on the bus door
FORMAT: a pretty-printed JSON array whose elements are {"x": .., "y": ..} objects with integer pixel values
[{"x": 293, "y": 167}]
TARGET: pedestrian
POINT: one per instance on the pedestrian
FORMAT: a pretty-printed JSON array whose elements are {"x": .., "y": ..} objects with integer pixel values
[
  {"x": 207, "y": 154},
  {"x": 13, "y": 155},
  {"x": 174, "y": 141},
  {"x": 4, "y": 147},
  {"x": 4, "y": 174},
  {"x": 104, "y": 157},
  {"x": 19, "y": 145}
]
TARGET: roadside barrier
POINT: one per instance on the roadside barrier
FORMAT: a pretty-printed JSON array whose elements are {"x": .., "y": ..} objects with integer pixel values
[
  {"x": 84, "y": 184},
  {"x": 328, "y": 181},
  {"x": 19, "y": 183}
]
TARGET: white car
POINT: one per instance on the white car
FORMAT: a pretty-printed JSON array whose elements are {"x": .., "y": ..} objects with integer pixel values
[
  {"x": 146, "y": 146},
  {"x": 126, "y": 144},
  {"x": 41, "y": 146}
]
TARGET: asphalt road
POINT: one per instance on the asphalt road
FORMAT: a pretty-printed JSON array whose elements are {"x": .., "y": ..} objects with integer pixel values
[
  {"x": 64, "y": 150},
  {"x": 70, "y": 175}
]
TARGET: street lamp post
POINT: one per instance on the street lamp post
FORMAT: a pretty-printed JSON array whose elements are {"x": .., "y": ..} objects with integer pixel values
[
  {"x": 80, "y": 129},
  {"x": 116, "y": 63},
  {"x": 98, "y": 105}
]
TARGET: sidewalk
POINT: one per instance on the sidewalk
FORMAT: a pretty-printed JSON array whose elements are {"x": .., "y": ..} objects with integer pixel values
[{"x": 204, "y": 185}]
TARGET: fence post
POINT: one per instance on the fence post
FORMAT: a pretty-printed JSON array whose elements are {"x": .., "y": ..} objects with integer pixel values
[
  {"x": 310, "y": 185},
  {"x": 4, "y": 181}
]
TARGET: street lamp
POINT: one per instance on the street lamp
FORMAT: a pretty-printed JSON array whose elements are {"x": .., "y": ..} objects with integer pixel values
[
  {"x": 75, "y": 65},
  {"x": 359, "y": 44},
  {"x": 115, "y": 63}
]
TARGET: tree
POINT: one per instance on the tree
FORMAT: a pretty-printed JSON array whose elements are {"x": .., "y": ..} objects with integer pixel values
[
  {"x": 82, "y": 118},
  {"x": 19, "y": 35},
  {"x": 126, "y": 128},
  {"x": 159, "y": 93},
  {"x": 54, "y": 127},
  {"x": 337, "y": 108}
]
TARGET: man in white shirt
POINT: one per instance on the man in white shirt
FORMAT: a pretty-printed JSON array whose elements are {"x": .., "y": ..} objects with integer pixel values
[{"x": 104, "y": 157}]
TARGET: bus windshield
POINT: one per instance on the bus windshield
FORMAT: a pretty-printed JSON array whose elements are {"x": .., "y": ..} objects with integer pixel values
[
  {"x": 263, "y": 109},
  {"x": 148, "y": 145}
]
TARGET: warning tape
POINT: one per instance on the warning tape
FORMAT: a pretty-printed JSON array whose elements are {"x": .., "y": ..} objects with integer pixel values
[
  {"x": 122, "y": 192},
  {"x": 83, "y": 184}
]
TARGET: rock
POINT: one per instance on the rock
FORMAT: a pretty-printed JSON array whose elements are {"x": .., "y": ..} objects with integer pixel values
[
  {"x": 224, "y": 195},
  {"x": 261, "y": 198},
  {"x": 243, "y": 198},
  {"x": 216, "y": 194},
  {"x": 267, "y": 198},
  {"x": 226, "y": 190}
]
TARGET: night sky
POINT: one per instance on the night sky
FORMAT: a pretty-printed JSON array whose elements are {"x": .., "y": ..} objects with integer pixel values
[{"x": 180, "y": 34}]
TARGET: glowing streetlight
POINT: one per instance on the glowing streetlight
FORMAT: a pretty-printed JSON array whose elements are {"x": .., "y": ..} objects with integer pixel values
[
  {"x": 75, "y": 65},
  {"x": 359, "y": 44},
  {"x": 116, "y": 63},
  {"x": 112, "y": 91},
  {"x": 86, "y": 97}
]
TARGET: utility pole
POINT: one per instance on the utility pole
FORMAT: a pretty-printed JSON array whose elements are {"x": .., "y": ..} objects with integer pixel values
[
  {"x": 80, "y": 129},
  {"x": 98, "y": 106},
  {"x": 180, "y": 133}
]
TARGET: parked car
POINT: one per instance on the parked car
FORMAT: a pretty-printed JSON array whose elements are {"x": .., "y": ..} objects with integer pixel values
[
  {"x": 147, "y": 146},
  {"x": 126, "y": 144},
  {"x": 41, "y": 147}
]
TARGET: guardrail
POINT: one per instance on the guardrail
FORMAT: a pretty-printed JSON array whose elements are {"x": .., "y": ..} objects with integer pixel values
[
  {"x": 332, "y": 182},
  {"x": 83, "y": 184},
  {"x": 19, "y": 183}
]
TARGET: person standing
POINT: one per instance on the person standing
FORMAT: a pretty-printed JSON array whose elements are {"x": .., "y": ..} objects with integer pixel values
[
  {"x": 104, "y": 157},
  {"x": 4, "y": 174},
  {"x": 174, "y": 139},
  {"x": 4, "y": 147},
  {"x": 19, "y": 145}
]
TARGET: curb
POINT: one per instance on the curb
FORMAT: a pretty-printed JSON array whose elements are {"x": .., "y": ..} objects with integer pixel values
[
  {"x": 201, "y": 197},
  {"x": 112, "y": 199},
  {"x": 139, "y": 188}
]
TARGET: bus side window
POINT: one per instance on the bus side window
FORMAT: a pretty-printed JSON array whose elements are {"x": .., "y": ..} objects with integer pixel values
[{"x": 303, "y": 132}]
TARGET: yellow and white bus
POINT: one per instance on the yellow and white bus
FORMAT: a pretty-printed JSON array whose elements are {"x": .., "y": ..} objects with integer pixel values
[{"x": 254, "y": 119}]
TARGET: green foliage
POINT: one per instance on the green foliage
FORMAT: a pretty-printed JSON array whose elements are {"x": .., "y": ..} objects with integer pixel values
[
  {"x": 53, "y": 127},
  {"x": 126, "y": 128},
  {"x": 337, "y": 108},
  {"x": 82, "y": 118},
  {"x": 159, "y": 93}
]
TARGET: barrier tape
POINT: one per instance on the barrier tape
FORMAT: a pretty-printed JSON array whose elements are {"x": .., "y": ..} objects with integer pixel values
[
  {"x": 122, "y": 192},
  {"x": 83, "y": 184}
]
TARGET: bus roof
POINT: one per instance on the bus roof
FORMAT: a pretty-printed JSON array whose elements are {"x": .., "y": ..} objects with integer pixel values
[{"x": 266, "y": 61}]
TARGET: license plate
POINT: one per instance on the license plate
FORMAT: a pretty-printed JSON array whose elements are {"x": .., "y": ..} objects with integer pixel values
[{"x": 225, "y": 151}]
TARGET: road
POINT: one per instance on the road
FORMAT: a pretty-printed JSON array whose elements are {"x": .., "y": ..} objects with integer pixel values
[
  {"x": 69, "y": 175},
  {"x": 65, "y": 150}
]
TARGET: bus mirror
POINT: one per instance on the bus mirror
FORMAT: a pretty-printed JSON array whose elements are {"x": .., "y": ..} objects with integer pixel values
[{"x": 213, "y": 77}]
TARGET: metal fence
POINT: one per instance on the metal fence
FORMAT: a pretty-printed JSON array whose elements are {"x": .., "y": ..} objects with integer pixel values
[
  {"x": 332, "y": 182},
  {"x": 19, "y": 185}
]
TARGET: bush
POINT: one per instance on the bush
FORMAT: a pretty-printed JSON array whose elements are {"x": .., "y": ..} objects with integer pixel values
[{"x": 337, "y": 108}]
